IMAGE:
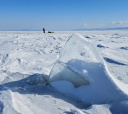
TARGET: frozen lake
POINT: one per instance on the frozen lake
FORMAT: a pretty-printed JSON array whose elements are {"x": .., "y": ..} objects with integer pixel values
[{"x": 25, "y": 54}]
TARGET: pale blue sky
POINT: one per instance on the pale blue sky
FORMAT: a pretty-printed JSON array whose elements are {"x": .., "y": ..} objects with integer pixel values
[{"x": 62, "y": 14}]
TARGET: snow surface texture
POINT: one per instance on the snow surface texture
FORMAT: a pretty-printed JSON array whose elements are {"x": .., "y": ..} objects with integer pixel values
[{"x": 26, "y": 59}]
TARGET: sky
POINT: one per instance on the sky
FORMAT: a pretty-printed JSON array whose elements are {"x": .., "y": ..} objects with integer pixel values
[{"x": 62, "y": 15}]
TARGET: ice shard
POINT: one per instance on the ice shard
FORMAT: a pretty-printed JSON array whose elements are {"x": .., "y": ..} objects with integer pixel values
[{"x": 77, "y": 53}]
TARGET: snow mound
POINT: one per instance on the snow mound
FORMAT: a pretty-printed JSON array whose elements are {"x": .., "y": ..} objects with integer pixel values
[{"x": 80, "y": 64}]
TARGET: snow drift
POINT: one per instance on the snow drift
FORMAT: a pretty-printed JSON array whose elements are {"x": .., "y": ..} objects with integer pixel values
[{"x": 80, "y": 64}]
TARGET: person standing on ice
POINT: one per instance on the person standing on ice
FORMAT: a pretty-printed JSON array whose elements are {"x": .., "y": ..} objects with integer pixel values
[{"x": 44, "y": 30}]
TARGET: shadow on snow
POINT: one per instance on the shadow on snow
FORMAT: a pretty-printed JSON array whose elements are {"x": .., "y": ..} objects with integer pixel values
[{"x": 30, "y": 85}]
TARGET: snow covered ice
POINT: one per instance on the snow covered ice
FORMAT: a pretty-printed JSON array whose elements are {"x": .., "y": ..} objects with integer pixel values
[
  {"x": 98, "y": 62},
  {"x": 97, "y": 79}
]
